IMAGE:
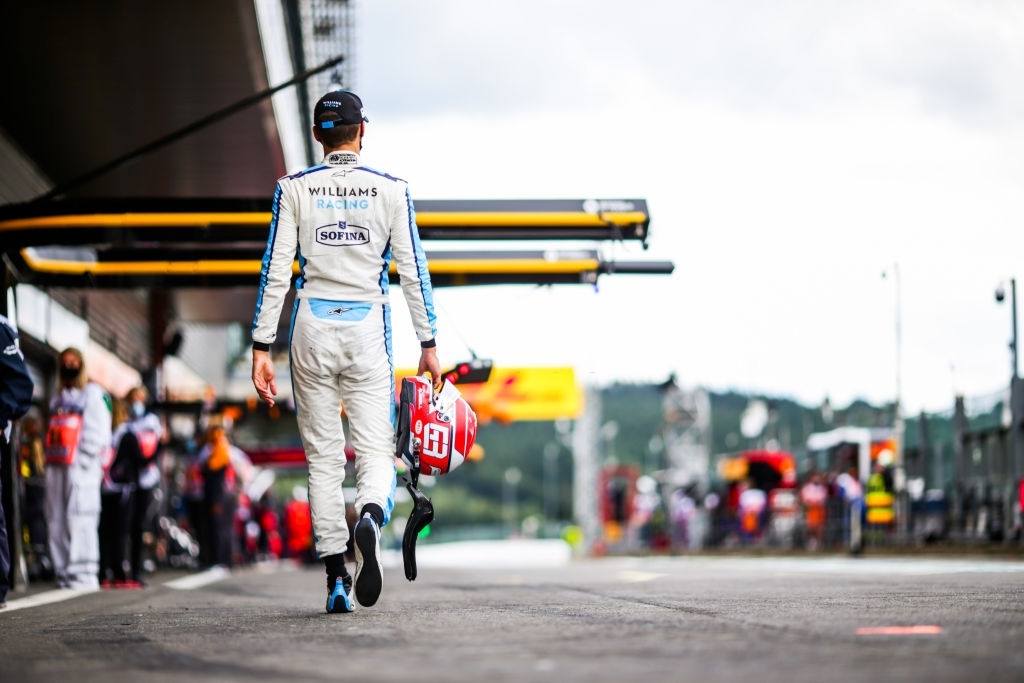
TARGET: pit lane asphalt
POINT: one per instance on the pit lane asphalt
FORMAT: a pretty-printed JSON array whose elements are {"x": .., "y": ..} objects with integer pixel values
[{"x": 656, "y": 619}]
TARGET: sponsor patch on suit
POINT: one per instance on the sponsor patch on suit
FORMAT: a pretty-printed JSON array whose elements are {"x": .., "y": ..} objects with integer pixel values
[{"x": 342, "y": 234}]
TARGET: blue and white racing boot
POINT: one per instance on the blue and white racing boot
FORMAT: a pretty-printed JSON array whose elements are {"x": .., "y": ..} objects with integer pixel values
[
  {"x": 369, "y": 573},
  {"x": 339, "y": 596}
]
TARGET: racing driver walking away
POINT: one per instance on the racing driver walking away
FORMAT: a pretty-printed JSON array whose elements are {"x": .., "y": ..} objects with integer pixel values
[{"x": 344, "y": 222}]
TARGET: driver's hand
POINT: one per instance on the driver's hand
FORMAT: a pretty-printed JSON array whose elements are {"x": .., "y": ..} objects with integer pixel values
[
  {"x": 429, "y": 363},
  {"x": 263, "y": 376}
]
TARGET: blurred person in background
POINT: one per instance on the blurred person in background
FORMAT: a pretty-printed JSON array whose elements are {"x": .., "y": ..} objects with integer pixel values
[
  {"x": 298, "y": 526},
  {"x": 813, "y": 497},
  {"x": 218, "y": 477},
  {"x": 128, "y": 490},
  {"x": 32, "y": 467},
  {"x": 879, "y": 481},
  {"x": 717, "y": 516},
  {"x": 730, "y": 512},
  {"x": 195, "y": 505},
  {"x": 115, "y": 501},
  {"x": 682, "y": 509},
  {"x": 849, "y": 500},
  {"x": 148, "y": 431},
  {"x": 15, "y": 400},
  {"x": 752, "y": 504},
  {"x": 224, "y": 467},
  {"x": 77, "y": 437},
  {"x": 271, "y": 542}
]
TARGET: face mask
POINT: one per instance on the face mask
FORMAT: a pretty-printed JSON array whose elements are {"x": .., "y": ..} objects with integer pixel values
[
  {"x": 69, "y": 373},
  {"x": 138, "y": 408}
]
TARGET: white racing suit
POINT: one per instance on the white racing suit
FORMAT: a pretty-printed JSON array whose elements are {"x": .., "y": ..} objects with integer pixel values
[
  {"x": 73, "y": 492},
  {"x": 344, "y": 222}
]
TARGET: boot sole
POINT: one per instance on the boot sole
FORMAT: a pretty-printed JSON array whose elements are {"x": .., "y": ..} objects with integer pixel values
[{"x": 369, "y": 576}]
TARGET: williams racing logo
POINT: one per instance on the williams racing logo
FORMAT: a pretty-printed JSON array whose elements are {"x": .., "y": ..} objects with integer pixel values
[
  {"x": 342, "y": 234},
  {"x": 342, "y": 197}
]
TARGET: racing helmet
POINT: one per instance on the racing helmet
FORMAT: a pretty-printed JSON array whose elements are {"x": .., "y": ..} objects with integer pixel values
[{"x": 436, "y": 430}]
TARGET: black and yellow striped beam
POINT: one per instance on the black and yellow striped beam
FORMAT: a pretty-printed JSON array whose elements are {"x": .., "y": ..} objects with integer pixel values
[
  {"x": 124, "y": 221},
  {"x": 227, "y": 267}
]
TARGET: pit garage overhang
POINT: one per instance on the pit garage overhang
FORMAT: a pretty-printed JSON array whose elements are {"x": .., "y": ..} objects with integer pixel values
[
  {"x": 154, "y": 267},
  {"x": 127, "y": 221},
  {"x": 207, "y": 253},
  {"x": 219, "y": 243}
]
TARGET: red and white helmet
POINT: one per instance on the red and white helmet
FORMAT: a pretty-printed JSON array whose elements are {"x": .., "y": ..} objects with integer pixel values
[{"x": 438, "y": 427}]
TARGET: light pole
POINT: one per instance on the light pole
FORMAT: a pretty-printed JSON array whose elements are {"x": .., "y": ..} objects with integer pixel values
[
  {"x": 899, "y": 480},
  {"x": 1016, "y": 457},
  {"x": 898, "y": 329},
  {"x": 551, "y": 451},
  {"x": 1000, "y": 296},
  {"x": 512, "y": 478}
]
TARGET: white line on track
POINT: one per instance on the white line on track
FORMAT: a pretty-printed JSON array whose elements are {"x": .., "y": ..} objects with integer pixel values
[
  {"x": 917, "y": 630},
  {"x": 46, "y": 598},
  {"x": 630, "y": 576},
  {"x": 864, "y": 566},
  {"x": 204, "y": 578}
]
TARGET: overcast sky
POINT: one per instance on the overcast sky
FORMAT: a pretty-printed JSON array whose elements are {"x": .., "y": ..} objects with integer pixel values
[{"x": 789, "y": 151}]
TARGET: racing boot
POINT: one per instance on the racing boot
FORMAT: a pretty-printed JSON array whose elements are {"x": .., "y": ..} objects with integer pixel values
[
  {"x": 369, "y": 573},
  {"x": 339, "y": 595}
]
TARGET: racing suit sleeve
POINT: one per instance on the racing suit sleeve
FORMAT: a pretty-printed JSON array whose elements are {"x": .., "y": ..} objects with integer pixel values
[
  {"x": 276, "y": 272},
  {"x": 95, "y": 423},
  {"x": 412, "y": 268}
]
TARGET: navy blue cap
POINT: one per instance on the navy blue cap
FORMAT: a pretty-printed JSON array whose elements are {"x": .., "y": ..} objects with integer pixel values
[{"x": 338, "y": 108}]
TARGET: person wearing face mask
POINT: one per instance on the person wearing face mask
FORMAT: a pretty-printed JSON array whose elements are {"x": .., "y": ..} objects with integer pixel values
[
  {"x": 116, "y": 499},
  {"x": 128, "y": 490},
  {"x": 148, "y": 431},
  {"x": 77, "y": 438}
]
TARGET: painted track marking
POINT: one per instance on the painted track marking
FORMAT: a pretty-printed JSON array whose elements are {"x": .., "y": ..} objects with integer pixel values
[
  {"x": 918, "y": 630},
  {"x": 204, "y": 578},
  {"x": 46, "y": 598},
  {"x": 631, "y": 576}
]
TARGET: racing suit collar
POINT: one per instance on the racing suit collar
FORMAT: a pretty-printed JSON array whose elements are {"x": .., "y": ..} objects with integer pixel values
[{"x": 341, "y": 158}]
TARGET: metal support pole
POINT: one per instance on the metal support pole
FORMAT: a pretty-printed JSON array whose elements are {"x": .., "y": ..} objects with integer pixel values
[
  {"x": 897, "y": 285},
  {"x": 1014, "y": 347},
  {"x": 157, "y": 318},
  {"x": 585, "y": 469},
  {"x": 551, "y": 451},
  {"x": 1016, "y": 439},
  {"x": 900, "y": 476},
  {"x": 926, "y": 458},
  {"x": 1016, "y": 444},
  {"x": 959, "y": 463}
]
